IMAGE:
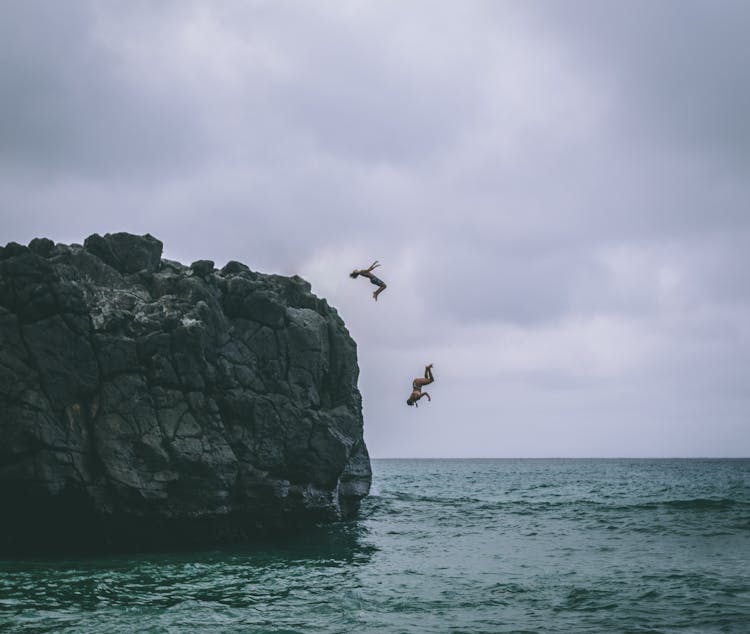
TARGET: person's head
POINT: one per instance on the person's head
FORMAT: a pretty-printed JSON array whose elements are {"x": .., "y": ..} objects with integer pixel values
[
  {"x": 410, "y": 401},
  {"x": 354, "y": 274}
]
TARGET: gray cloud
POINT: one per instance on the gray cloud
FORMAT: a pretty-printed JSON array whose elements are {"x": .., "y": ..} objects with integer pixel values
[
  {"x": 69, "y": 107},
  {"x": 557, "y": 193},
  {"x": 674, "y": 66}
]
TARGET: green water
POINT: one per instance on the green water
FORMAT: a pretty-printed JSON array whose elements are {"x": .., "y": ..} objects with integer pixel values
[{"x": 443, "y": 546}]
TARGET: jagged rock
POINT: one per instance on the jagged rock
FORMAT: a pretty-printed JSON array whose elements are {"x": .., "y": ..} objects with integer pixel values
[
  {"x": 125, "y": 252},
  {"x": 202, "y": 268},
  {"x": 146, "y": 402}
]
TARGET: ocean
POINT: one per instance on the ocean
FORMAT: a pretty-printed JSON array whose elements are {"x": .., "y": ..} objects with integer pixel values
[{"x": 442, "y": 546}]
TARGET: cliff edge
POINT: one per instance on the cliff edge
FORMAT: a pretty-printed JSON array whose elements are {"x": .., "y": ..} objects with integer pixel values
[{"x": 144, "y": 402}]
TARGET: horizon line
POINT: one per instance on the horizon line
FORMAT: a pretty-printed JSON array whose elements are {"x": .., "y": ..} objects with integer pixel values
[{"x": 561, "y": 458}]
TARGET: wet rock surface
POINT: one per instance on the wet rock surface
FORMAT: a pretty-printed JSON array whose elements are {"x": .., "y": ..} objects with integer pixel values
[{"x": 145, "y": 402}]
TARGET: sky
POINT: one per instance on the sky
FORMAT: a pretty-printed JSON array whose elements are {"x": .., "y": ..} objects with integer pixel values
[{"x": 558, "y": 194}]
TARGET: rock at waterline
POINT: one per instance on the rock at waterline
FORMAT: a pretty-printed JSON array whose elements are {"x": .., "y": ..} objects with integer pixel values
[{"x": 144, "y": 402}]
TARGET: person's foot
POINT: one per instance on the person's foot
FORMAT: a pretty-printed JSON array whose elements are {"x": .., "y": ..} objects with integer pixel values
[{"x": 375, "y": 296}]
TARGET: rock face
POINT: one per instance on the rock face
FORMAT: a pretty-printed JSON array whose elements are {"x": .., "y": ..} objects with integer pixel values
[{"x": 147, "y": 402}]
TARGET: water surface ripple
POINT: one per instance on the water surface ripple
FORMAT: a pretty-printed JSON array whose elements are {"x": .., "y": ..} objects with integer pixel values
[{"x": 443, "y": 546}]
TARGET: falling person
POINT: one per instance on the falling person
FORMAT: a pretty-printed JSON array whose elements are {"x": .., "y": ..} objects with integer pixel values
[
  {"x": 417, "y": 385},
  {"x": 373, "y": 278}
]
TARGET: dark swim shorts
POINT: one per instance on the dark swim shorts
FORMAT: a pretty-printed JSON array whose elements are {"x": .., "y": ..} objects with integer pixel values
[{"x": 377, "y": 281}]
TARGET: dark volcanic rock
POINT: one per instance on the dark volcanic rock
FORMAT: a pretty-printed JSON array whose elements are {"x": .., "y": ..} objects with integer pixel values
[{"x": 143, "y": 402}]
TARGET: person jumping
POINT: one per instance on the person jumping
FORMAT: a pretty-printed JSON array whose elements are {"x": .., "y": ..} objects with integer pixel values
[
  {"x": 373, "y": 278},
  {"x": 417, "y": 385}
]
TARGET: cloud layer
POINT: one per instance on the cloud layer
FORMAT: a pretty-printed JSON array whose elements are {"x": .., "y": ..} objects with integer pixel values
[{"x": 558, "y": 194}]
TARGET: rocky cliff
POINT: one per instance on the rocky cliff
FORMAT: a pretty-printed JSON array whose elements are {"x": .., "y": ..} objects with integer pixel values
[{"x": 147, "y": 402}]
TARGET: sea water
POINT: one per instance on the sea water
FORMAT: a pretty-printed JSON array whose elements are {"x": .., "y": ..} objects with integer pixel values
[{"x": 443, "y": 546}]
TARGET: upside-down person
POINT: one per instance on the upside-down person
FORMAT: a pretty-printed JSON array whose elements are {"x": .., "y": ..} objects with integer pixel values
[{"x": 417, "y": 385}]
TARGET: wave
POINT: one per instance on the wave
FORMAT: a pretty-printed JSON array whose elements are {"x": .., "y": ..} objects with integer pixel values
[
  {"x": 694, "y": 504},
  {"x": 533, "y": 506},
  {"x": 433, "y": 499},
  {"x": 608, "y": 511}
]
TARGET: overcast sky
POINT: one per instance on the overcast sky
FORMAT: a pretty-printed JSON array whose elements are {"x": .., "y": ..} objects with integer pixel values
[{"x": 558, "y": 192}]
